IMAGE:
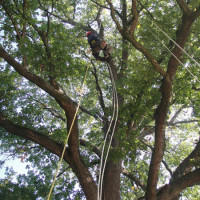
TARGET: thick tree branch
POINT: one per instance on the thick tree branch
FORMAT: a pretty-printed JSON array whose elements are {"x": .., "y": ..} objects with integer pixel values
[
  {"x": 181, "y": 35},
  {"x": 188, "y": 163},
  {"x": 172, "y": 190},
  {"x": 145, "y": 52},
  {"x": 67, "y": 105},
  {"x": 64, "y": 101},
  {"x": 34, "y": 136},
  {"x": 59, "y": 95},
  {"x": 136, "y": 16},
  {"x": 184, "y": 7},
  {"x": 75, "y": 162},
  {"x": 164, "y": 162},
  {"x": 162, "y": 110}
]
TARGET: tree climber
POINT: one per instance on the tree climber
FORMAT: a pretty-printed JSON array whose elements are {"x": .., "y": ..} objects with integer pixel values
[{"x": 97, "y": 44}]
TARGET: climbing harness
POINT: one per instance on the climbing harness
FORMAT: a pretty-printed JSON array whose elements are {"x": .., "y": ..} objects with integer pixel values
[
  {"x": 114, "y": 118},
  {"x": 66, "y": 141}
]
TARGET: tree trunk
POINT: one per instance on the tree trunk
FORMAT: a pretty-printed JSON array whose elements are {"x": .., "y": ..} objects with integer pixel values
[{"x": 111, "y": 183}]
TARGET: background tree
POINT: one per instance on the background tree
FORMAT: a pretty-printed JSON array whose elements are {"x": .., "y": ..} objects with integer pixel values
[{"x": 44, "y": 54}]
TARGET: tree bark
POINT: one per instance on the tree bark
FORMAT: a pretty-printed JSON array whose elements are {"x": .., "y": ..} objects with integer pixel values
[
  {"x": 111, "y": 179},
  {"x": 173, "y": 190},
  {"x": 75, "y": 161}
]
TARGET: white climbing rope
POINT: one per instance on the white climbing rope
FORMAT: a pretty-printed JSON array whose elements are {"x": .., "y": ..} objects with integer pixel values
[
  {"x": 115, "y": 115},
  {"x": 173, "y": 41},
  {"x": 184, "y": 65}
]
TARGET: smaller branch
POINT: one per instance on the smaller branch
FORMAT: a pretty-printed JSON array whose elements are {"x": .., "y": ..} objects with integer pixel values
[
  {"x": 54, "y": 113},
  {"x": 62, "y": 172},
  {"x": 70, "y": 21},
  {"x": 133, "y": 178},
  {"x": 167, "y": 167},
  {"x": 147, "y": 10},
  {"x": 12, "y": 20},
  {"x": 24, "y": 18},
  {"x": 92, "y": 147},
  {"x": 184, "y": 7},
  {"x": 146, "y": 132},
  {"x": 175, "y": 115},
  {"x": 103, "y": 6},
  {"x": 48, "y": 24},
  {"x": 97, "y": 116},
  {"x": 125, "y": 56},
  {"x": 113, "y": 16},
  {"x": 183, "y": 122},
  {"x": 101, "y": 100}
]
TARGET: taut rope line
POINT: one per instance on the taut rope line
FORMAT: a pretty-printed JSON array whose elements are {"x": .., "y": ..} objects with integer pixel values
[
  {"x": 174, "y": 42},
  {"x": 174, "y": 54},
  {"x": 176, "y": 58}
]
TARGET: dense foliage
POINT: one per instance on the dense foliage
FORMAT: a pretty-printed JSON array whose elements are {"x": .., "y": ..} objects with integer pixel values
[{"x": 44, "y": 54}]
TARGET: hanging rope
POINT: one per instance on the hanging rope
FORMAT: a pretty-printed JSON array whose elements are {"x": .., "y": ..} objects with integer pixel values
[
  {"x": 70, "y": 130},
  {"x": 115, "y": 115}
]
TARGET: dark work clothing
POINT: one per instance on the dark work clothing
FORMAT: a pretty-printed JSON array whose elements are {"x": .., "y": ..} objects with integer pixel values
[
  {"x": 94, "y": 40},
  {"x": 97, "y": 44}
]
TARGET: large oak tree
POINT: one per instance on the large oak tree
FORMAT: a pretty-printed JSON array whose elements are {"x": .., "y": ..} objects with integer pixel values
[{"x": 44, "y": 55}]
